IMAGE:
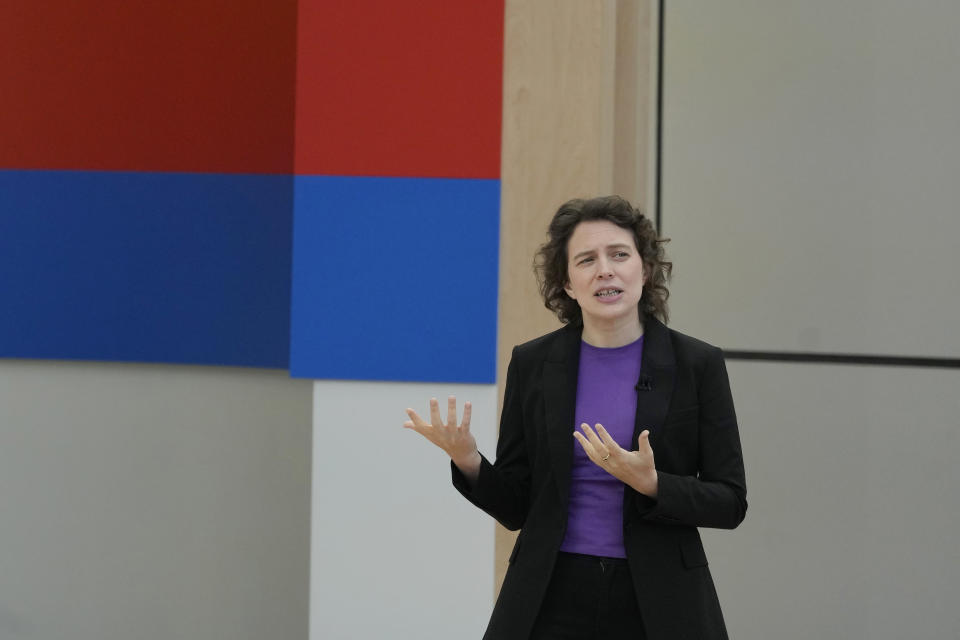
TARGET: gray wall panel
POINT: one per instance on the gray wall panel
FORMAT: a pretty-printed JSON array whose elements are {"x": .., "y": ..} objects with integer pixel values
[
  {"x": 153, "y": 502},
  {"x": 854, "y": 512},
  {"x": 810, "y": 161}
]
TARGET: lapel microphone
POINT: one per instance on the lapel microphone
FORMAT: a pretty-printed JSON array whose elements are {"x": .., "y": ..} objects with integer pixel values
[{"x": 645, "y": 383}]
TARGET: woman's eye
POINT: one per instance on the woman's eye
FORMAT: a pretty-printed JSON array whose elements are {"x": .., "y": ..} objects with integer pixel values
[
  {"x": 586, "y": 260},
  {"x": 621, "y": 254}
]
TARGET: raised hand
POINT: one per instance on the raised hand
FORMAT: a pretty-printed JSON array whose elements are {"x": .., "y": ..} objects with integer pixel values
[
  {"x": 634, "y": 468},
  {"x": 456, "y": 440}
]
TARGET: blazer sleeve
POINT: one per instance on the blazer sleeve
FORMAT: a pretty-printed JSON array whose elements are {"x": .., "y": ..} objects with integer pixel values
[
  {"x": 717, "y": 495},
  {"x": 502, "y": 489}
]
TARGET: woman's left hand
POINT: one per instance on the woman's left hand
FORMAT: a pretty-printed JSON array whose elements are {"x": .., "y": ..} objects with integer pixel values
[{"x": 634, "y": 468}]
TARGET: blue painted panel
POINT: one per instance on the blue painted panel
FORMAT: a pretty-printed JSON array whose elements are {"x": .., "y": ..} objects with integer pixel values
[
  {"x": 395, "y": 279},
  {"x": 186, "y": 268}
]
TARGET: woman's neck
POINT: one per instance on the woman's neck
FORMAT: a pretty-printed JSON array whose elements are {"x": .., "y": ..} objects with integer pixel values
[{"x": 613, "y": 334}]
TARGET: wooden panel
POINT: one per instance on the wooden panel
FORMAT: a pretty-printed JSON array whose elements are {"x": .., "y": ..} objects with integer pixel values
[
  {"x": 574, "y": 83},
  {"x": 634, "y": 102}
]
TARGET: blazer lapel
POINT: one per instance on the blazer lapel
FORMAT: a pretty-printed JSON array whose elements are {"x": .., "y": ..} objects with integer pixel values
[
  {"x": 657, "y": 374},
  {"x": 560, "y": 397}
]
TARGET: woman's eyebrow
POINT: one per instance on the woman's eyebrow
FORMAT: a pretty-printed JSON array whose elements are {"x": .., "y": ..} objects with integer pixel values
[
  {"x": 608, "y": 247},
  {"x": 584, "y": 253}
]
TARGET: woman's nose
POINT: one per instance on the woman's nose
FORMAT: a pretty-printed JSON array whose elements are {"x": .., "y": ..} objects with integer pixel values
[{"x": 604, "y": 269}]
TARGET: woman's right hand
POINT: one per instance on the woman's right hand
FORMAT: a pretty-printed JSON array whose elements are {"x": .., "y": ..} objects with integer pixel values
[{"x": 456, "y": 440}]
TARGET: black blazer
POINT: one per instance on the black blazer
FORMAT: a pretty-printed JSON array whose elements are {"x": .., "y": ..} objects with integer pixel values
[{"x": 683, "y": 398}]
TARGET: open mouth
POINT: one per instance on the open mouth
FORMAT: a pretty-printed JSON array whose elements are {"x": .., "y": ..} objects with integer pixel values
[{"x": 608, "y": 293}]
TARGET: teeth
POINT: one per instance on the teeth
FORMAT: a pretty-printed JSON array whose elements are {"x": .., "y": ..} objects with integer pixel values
[{"x": 608, "y": 292}]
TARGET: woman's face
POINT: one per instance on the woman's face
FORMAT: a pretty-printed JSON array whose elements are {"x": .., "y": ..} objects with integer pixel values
[{"x": 605, "y": 273}]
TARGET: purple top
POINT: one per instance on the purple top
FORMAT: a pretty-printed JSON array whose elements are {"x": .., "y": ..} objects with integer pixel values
[{"x": 606, "y": 393}]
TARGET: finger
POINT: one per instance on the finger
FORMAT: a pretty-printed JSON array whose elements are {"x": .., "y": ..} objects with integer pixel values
[
  {"x": 585, "y": 444},
  {"x": 415, "y": 418},
  {"x": 452, "y": 411},
  {"x": 591, "y": 436},
  {"x": 594, "y": 452},
  {"x": 610, "y": 446},
  {"x": 467, "y": 410},
  {"x": 596, "y": 446},
  {"x": 435, "y": 413},
  {"x": 643, "y": 441},
  {"x": 600, "y": 450},
  {"x": 421, "y": 429},
  {"x": 606, "y": 438}
]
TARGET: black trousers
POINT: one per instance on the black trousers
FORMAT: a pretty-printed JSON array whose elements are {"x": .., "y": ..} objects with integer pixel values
[{"x": 589, "y": 598}]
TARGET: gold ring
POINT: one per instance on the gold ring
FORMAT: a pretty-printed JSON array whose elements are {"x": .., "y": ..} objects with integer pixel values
[{"x": 605, "y": 458}]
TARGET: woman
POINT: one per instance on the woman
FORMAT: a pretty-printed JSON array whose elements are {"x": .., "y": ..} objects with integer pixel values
[{"x": 608, "y": 546}]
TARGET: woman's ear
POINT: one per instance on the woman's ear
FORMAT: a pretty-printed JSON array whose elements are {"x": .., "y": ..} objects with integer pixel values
[{"x": 566, "y": 287}]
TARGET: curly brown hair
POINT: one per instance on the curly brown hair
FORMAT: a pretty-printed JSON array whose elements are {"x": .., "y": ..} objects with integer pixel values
[{"x": 550, "y": 263}]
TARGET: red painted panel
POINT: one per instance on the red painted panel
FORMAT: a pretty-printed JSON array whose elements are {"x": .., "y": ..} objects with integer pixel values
[
  {"x": 392, "y": 88},
  {"x": 172, "y": 85}
]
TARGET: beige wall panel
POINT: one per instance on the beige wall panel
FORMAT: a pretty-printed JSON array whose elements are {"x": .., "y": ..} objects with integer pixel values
[{"x": 575, "y": 124}]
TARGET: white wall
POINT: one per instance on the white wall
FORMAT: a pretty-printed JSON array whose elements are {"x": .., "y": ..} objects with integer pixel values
[{"x": 397, "y": 552}]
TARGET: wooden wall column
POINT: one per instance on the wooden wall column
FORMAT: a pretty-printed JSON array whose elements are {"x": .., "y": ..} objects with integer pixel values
[{"x": 577, "y": 104}]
